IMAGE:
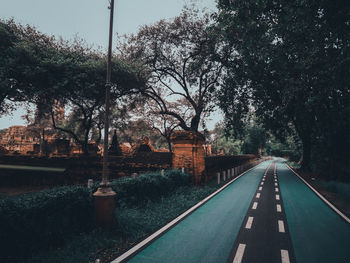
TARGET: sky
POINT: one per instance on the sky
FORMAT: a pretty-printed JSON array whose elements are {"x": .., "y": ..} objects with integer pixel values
[{"x": 89, "y": 20}]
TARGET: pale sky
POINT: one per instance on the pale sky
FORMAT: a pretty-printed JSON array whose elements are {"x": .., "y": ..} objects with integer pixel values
[{"x": 89, "y": 19}]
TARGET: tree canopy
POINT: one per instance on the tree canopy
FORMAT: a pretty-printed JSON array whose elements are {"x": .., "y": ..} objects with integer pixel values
[
  {"x": 291, "y": 64},
  {"x": 40, "y": 69},
  {"x": 182, "y": 56}
]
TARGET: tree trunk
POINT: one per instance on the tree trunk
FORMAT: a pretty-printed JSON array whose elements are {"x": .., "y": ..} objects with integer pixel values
[
  {"x": 169, "y": 144},
  {"x": 306, "y": 158}
]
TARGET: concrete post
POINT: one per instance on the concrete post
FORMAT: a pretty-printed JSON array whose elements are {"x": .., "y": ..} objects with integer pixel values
[
  {"x": 218, "y": 175},
  {"x": 163, "y": 172},
  {"x": 224, "y": 175}
]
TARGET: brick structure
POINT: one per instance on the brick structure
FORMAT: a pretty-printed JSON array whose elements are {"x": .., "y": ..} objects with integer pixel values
[{"x": 188, "y": 152}]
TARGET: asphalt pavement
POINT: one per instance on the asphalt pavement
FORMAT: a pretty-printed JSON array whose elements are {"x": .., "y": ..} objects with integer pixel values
[{"x": 267, "y": 215}]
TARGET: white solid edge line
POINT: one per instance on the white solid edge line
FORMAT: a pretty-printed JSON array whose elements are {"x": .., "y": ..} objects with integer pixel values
[
  {"x": 239, "y": 254},
  {"x": 255, "y": 205},
  {"x": 320, "y": 196},
  {"x": 175, "y": 221},
  {"x": 284, "y": 256},
  {"x": 249, "y": 222},
  {"x": 281, "y": 226}
]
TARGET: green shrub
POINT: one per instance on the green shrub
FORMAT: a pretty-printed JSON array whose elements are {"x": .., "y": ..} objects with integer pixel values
[
  {"x": 40, "y": 220},
  {"x": 149, "y": 186},
  {"x": 37, "y": 221}
]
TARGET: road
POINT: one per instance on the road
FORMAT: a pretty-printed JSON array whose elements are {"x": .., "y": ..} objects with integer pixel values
[{"x": 266, "y": 215}]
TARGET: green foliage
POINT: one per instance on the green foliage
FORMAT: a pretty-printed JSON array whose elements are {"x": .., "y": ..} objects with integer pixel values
[
  {"x": 291, "y": 63},
  {"x": 40, "y": 220},
  {"x": 133, "y": 224},
  {"x": 48, "y": 218},
  {"x": 150, "y": 186}
]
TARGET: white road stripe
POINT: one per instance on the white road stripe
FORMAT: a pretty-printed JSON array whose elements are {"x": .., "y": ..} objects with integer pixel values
[
  {"x": 260, "y": 188},
  {"x": 255, "y": 205},
  {"x": 258, "y": 195},
  {"x": 249, "y": 222},
  {"x": 262, "y": 183},
  {"x": 284, "y": 256},
  {"x": 276, "y": 184},
  {"x": 277, "y": 197},
  {"x": 278, "y": 207},
  {"x": 276, "y": 189},
  {"x": 159, "y": 232},
  {"x": 281, "y": 226},
  {"x": 239, "y": 253}
]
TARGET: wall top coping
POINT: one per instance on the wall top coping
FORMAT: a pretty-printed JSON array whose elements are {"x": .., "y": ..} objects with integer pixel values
[{"x": 187, "y": 136}]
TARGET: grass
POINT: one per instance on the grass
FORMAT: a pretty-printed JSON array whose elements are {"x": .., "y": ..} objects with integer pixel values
[{"x": 133, "y": 223}]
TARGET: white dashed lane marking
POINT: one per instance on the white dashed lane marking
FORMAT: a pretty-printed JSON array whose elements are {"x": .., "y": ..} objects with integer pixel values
[
  {"x": 239, "y": 253},
  {"x": 281, "y": 226},
  {"x": 255, "y": 205},
  {"x": 276, "y": 184},
  {"x": 284, "y": 256},
  {"x": 260, "y": 188},
  {"x": 277, "y": 197},
  {"x": 276, "y": 189},
  {"x": 278, "y": 208},
  {"x": 249, "y": 222},
  {"x": 258, "y": 195}
]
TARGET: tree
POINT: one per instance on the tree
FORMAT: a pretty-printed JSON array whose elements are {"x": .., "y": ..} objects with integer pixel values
[
  {"x": 43, "y": 70},
  {"x": 293, "y": 66},
  {"x": 182, "y": 57}
]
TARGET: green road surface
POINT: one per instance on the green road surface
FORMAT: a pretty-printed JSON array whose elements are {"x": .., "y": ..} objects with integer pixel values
[
  {"x": 207, "y": 235},
  {"x": 318, "y": 234}
]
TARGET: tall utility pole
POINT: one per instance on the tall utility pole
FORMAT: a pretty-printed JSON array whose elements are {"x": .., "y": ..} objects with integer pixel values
[
  {"x": 104, "y": 197},
  {"x": 105, "y": 171}
]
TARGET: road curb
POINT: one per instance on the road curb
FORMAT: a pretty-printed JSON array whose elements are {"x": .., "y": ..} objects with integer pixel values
[
  {"x": 321, "y": 197},
  {"x": 143, "y": 244}
]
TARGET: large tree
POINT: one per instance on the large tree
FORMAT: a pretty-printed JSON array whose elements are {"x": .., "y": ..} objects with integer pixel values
[
  {"x": 43, "y": 70},
  {"x": 292, "y": 66},
  {"x": 182, "y": 56}
]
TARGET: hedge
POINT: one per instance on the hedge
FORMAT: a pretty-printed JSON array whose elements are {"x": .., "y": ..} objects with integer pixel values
[{"x": 37, "y": 221}]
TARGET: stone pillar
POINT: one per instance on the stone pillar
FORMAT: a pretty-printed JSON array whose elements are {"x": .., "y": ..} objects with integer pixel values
[{"x": 188, "y": 152}]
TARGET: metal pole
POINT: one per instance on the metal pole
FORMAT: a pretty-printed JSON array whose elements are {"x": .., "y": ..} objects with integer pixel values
[{"x": 105, "y": 170}]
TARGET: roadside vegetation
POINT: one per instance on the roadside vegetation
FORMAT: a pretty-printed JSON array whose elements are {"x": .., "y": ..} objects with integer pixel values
[{"x": 56, "y": 225}]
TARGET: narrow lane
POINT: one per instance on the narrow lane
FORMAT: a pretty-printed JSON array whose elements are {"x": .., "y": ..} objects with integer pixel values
[
  {"x": 264, "y": 234},
  {"x": 207, "y": 235},
  {"x": 318, "y": 234}
]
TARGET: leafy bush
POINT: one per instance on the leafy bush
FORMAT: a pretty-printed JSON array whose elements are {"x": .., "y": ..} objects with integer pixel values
[
  {"x": 43, "y": 219},
  {"x": 149, "y": 186},
  {"x": 36, "y": 221}
]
